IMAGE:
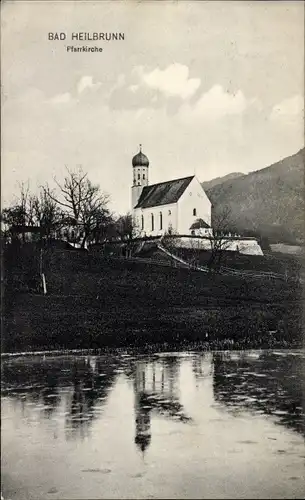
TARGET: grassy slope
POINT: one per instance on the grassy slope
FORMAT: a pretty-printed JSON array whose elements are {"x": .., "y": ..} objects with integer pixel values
[
  {"x": 265, "y": 199},
  {"x": 98, "y": 302}
]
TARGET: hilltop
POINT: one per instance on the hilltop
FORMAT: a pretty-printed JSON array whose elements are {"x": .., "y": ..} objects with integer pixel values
[{"x": 269, "y": 201}]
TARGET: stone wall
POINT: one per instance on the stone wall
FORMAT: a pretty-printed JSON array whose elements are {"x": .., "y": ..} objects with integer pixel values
[{"x": 248, "y": 246}]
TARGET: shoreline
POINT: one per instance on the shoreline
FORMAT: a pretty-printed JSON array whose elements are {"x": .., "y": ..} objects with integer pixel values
[{"x": 148, "y": 350}]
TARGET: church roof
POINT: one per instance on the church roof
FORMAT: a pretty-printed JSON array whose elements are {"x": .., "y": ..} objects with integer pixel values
[
  {"x": 198, "y": 224},
  {"x": 163, "y": 193}
]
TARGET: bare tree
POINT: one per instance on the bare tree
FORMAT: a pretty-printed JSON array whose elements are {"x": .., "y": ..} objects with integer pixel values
[
  {"x": 127, "y": 230},
  {"x": 126, "y": 227},
  {"x": 45, "y": 212},
  {"x": 19, "y": 214},
  {"x": 171, "y": 242},
  {"x": 82, "y": 201},
  {"x": 195, "y": 250},
  {"x": 219, "y": 238}
]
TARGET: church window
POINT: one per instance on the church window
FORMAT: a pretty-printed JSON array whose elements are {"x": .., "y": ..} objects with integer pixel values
[
  {"x": 142, "y": 222},
  {"x": 152, "y": 222},
  {"x": 194, "y": 211},
  {"x": 139, "y": 183},
  {"x": 160, "y": 220},
  {"x": 143, "y": 177},
  {"x": 169, "y": 212},
  {"x": 139, "y": 176}
]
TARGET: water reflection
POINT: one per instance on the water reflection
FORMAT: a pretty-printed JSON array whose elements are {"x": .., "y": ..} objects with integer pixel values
[
  {"x": 206, "y": 422},
  {"x": 76, "y": 389},
  {"x": 265, "y": 383},
  {"x": 74, "y": 385},
  {"x": 156, "y": 390}
]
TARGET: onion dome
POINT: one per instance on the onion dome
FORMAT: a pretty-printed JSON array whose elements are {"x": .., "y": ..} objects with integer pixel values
[{"x": 140, "y": 159}]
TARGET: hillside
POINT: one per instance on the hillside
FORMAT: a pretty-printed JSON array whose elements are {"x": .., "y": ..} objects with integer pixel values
[
  {"x": 269, "y": 201},
  {"x": 219, "y": 180}
]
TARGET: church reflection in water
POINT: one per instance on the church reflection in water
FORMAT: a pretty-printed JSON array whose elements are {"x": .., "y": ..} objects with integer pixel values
[
  {"x": 156, "y": 388},
  {"x": 78, "y": 388}
]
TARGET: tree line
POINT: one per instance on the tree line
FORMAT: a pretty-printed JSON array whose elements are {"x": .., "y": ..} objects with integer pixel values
[{"x": 75, "y": 203}]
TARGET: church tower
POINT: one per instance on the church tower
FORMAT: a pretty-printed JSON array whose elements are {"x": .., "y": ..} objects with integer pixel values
[{"x": 140, "y": 166}]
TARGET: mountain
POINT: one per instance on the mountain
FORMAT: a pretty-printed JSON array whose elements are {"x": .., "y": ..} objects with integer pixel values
[
  {"x": 219, "y": 180},
  {"x": 268, "y": 202}
]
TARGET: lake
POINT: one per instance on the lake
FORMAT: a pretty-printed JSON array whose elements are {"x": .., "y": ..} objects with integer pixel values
[{"x": 166, "y": 425}]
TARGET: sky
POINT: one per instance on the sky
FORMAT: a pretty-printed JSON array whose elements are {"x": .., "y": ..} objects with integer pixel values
[{"x": 207, "y": 88}]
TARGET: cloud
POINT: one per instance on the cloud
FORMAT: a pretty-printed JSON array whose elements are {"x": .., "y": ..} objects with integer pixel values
[
  {"x": 291, "y": 107},
  {"x": 218, "y": 102},
  {"x": 86, "y": 83},
  {"x": 61, "y": 98},
  {"x": 133, "y": 88},
  {"x": 172, "y": 81}
]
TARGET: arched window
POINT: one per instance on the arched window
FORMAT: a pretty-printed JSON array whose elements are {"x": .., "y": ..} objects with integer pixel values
[
  {"x": 143, "y": 177},
  {"x": 152, "y": 222},
  {"x": 139, "y": 176},
  {"x": 194, "y": 211},
  {"x": 160, "y": 220},
  {"x": 169, "y": 212},
  {"x": 142, "y": 222}
]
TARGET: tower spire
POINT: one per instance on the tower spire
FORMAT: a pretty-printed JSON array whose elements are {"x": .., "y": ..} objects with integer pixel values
[{"x": 140, "y": 164}]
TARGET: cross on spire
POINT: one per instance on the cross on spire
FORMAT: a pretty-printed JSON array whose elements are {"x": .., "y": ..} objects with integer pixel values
[{"x": 140, "y": 148}]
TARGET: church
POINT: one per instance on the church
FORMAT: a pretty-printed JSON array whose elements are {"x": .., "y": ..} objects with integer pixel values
[{"x": 178, "y": 206}]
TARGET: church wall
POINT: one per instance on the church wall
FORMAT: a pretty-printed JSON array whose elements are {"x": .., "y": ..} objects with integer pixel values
[
  {"x": 169, "y": 219},
  {"x": 246, "y": 246},
  {"x": 194, "y": 197}
]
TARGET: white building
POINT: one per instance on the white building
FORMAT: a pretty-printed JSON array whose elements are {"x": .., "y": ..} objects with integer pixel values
[{"x": 178, "y": 206}]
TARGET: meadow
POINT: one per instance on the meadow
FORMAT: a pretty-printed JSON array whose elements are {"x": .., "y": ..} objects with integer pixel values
[{"x": 95, "y": 301}]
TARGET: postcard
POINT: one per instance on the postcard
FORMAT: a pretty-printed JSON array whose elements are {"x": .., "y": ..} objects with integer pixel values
[{"x": 152, "y": 229}]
